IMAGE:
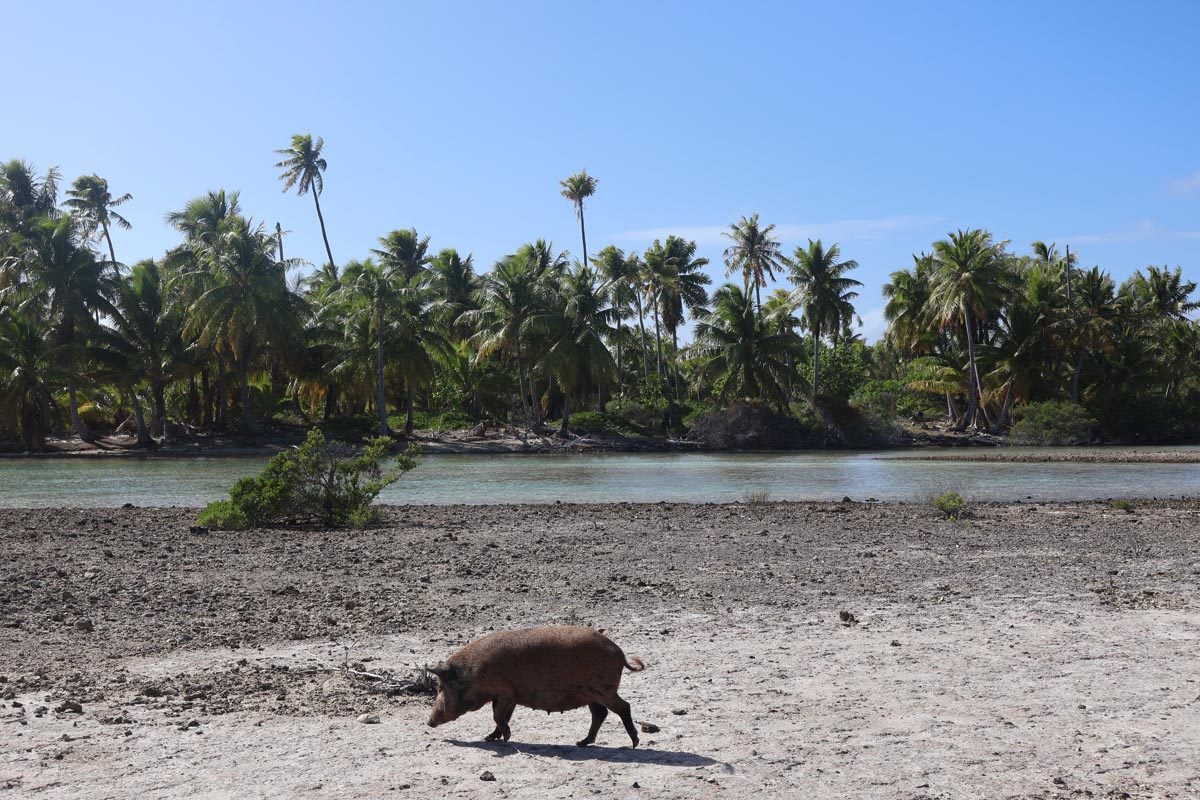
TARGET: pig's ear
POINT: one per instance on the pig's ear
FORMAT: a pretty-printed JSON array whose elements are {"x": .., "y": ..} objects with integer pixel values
[{"x": 443, "y": 671}]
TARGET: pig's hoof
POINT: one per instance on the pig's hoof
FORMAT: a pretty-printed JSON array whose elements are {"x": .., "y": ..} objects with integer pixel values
[{"x": 584, "y": 742}]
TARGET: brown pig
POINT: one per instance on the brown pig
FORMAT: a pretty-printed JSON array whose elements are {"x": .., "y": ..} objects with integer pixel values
[{"x": 550, "y": 669}]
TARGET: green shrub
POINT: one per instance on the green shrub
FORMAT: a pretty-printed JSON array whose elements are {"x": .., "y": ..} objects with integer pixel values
[
  {"x": 351, "y": 428},
  {"x": 317, "y": 482},
  {"x": 1055, "y": 422},
  {"x": 223, "y": 514},
  {"x": 1123, "y": 505},
  {"x": 951, "y": 504}
]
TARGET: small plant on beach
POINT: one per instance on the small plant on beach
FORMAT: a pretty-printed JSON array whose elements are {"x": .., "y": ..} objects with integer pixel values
[
  {"x": 1123, "y": 505},
  {"x": 756, "y": 498},
  {"x": 951, "y": 504},
  {"x": 318, "y": 481}
]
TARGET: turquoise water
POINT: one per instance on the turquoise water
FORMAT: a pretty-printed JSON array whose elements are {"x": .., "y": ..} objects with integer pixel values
[{"x": 623, "y": 477}]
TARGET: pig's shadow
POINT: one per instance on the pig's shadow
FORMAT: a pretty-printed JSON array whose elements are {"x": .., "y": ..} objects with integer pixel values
[{"x": 618, "y": 755}]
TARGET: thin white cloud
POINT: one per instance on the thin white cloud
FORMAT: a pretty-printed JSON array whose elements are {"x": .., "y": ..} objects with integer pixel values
[
  {"x": 1186, "y": 186},
  {"x": 1144, "y": 231},
  {"x": 840, "y": 230}
]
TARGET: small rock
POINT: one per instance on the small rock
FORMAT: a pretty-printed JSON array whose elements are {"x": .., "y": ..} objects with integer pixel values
[
  {"x": 650, "y": 727},
  {"x": 69, "y": 707},
  {"x": 84, "y": 625},
  {"x": 368, "y": 719},
  {"x": 487, "y": 776},
  {"x": 636, "y": 785},
  {"x": 847, "y": 618},
  {"x": 679, "y": 712},
  {"x": 846, "y": 499},
  {"x": 191, "y": 723},
  {"x": 895, "y": 642}
]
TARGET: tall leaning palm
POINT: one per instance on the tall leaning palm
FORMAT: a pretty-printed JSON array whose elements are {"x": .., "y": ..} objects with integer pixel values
[
  {"x": 824, "y": 295},
  {"x": 578, "y": 188},
  {"x": 302, "y": 166},
  {"x": 754, "y": 252},
  {"x": 971, "y": 280},
  {"x": 93, "y": 204}
]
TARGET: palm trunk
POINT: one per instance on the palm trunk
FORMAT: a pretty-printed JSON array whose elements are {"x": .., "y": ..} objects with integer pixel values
[
  {"x": 973, "y": 383},
  {"x": 1075, "y": 377},
  {"x": 321, "y": 218},
  {"x": 380, "y": 397},
  {"x": 566, "y": 417},
  {"x": 206, "y": 416},
  {"x": 243, "y": 368},
  {"x": 160, "y": 408},
  {"x": 111, "y": 253},
  {"x": 642, "y": 327},
  {"x": 582, "y": 233},
  {"x": 144, "y": 439},
  {"x": 658, "y": 338},
  {"x": 81, "y": 429},
  {"x": 816, "y": 359},
  {"x": 222, "y": 395},
  {"x": 675, "y": 360},
  {"x": 620, "y": 374},
  {"x": 331, "y": 398},
  {"x": 408, "y": 402},
  {"x": 521, "y": 387}
]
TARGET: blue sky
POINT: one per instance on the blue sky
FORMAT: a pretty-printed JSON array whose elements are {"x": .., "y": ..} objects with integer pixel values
[{"x": 877, "y": 125}]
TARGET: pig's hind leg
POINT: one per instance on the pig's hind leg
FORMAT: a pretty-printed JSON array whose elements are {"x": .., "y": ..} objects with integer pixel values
[
  {"x": 599, "y": 712},
  {"x": 622, "y": 710},
  {"x": 502, "y": 711}
]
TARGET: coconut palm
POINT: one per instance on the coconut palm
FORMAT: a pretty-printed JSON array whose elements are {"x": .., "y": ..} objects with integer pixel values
[
  {"x": 403, "y": 252},
  {"x": 1094, "y": 330},
  {"x": 683, "y": 286},
  {"x": 907, "y": 296},
  {"x": 575, "y": 326},
  {"x": 621, "y": 276},
  {"x": 246, "y": 307},
  {"x": 91, "y": 202},
  {"x": 455, "y": 280},
  {"x": 779, "y": 315},
  {"x": 415, "y": 339},
  {"x": 754, "y": 252},
  {"x": 370, "y": 290},
  {"x": 739, "y": 354},
  {"x": 823, "y": 293},
  {"x": 29, "y": 367},
  {"x": 578, "y": 188},
  {"x": 971, "y": 281},
  {"x": 302, "y": 166},
  {"x": 73, "y": 288}
]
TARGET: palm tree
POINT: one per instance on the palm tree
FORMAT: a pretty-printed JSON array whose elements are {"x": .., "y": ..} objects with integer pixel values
[
  {"x": 145, "y": 342},
  {"x": 907, "y": 296},
  {"x": 371, "y": 290},
  {"x": 74, "y": 288},
  {"x": 576, "y": 326},
  {"x": 302, "y": 166},
  {"x": 246, "y": 306},
  {"x": 822, "y": 293},
  {"x": 970, "y": 282},
  {"x": 455, "y": 280},
  {"x": 683, "y": 287},
  {"x": 1095, "y": 329},
  {"x": 418, "y": 345},
  {"x": 29, "y": 365},
  {"x": 754, "y": 252},
  {"x": 620, "y": 274},
  {"x": 578, "y": 188},
  {"x": 93, "y": 205},
  {"x": 741, "y": 355},
  {"x": 403, "y": 252},
  {"x": 779, "y": 315}
]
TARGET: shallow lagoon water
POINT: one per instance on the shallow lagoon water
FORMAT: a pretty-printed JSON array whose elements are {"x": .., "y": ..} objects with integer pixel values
[{"x": 617, "y": 477}]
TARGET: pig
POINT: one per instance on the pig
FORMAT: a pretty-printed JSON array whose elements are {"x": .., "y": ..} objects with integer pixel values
[{"x": 550, "y": 669}]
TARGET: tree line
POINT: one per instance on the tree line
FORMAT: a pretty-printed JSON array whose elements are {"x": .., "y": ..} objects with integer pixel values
[{"x": 223, "y": 333}]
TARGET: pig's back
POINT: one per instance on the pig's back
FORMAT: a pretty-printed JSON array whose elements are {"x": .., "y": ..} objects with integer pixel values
[{"x": 551, "y": 669}]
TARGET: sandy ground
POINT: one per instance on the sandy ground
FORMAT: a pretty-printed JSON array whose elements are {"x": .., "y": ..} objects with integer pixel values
[{"x": 1029, "y": 651}]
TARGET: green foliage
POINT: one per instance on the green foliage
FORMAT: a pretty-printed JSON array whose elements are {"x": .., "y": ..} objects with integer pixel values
[
  {"x": 316, "y": 482},
  {"x": 351, "y": 427},
  {"x": 951, "y": 504},
  {"x": 844, "y": 368},
  {"x": 888, "y": 400},
  {"x": 434, "y": 421},
  {"x": 1055, "y": 422},
  {"x": 223, "y": 515},
  {"x": 1123, "y": 505}
]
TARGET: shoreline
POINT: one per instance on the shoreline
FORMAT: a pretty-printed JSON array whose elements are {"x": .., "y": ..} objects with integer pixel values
[{"x": 1050, "y": 643}]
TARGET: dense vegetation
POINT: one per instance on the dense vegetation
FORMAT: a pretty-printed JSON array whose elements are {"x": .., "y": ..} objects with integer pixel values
[{"x": 221, "y": 332}]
